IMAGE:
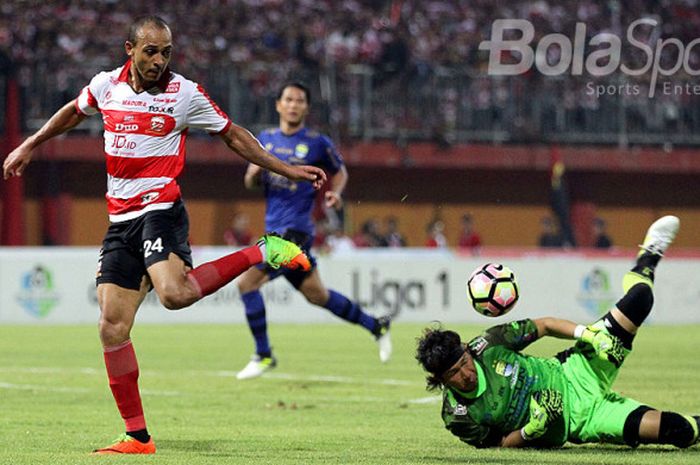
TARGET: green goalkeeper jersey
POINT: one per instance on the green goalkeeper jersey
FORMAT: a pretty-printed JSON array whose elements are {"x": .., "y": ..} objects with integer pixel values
[{"x": 506, "y": 380}]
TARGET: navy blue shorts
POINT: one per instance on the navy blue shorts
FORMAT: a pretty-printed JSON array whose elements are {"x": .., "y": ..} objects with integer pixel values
[{"x": 130, "y": 247}]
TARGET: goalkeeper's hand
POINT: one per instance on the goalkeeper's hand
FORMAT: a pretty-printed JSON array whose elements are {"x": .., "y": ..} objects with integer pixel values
[
  {"x": 546, "y": 406},
  {"x": 606, "y": 347}
]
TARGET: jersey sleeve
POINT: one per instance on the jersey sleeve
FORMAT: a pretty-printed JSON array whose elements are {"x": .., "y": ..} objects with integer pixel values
[
  {"x": 87, "y": 102},
  {"x": 515, "y": 336},
  {"x": 203, "y": 113},
  {"x": 461, "y": 424},
  {"x": 332, "y": 160}
]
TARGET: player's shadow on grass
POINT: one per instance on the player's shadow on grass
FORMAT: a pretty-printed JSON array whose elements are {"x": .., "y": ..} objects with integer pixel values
[{"x": 207, "y": 447}]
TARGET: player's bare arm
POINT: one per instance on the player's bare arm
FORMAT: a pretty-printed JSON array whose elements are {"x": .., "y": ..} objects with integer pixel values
[
  {"x": 241, "y": 141},
  {"x": 63, "y": 120},
  {"x": 555, "y": 327},
  {"x": 252, "y": 178},
  {"x": 513, "y": 439},
  {"x": 334, "y": 195}
]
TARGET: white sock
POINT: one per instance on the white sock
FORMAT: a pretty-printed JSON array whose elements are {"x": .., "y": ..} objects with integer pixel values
[{"x": 261, "y": 246}]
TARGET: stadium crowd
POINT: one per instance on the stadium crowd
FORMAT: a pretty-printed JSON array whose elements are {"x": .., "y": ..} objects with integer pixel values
[{"x": 55, "y": 47}]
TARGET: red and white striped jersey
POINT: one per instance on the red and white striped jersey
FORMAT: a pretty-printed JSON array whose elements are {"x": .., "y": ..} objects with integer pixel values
[{"x": 144, "y": 136}]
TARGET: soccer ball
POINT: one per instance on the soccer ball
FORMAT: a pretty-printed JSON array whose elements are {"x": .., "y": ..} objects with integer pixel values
[{"x": 492, "y": 290}]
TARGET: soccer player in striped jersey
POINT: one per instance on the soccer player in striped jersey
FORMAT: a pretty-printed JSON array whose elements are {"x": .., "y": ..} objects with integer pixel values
[
  {"x": 147, "y": 110},
  {"x": 289, "y": 209},
  {"x": 493, "y": 395}
]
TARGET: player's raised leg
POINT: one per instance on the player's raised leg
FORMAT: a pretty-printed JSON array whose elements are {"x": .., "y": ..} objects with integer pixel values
[
  {"x": 631, "y": 311},
  {"x": 178, "y": 287},
  {"x": 622, "y": 322},
  {"x": 647, "y": 425}
]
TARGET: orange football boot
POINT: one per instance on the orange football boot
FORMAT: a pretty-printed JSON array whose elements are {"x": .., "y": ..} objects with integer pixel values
[{"x": 125, "y": 444}]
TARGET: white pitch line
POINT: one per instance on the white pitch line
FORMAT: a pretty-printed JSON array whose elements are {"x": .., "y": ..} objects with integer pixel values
[
  {"x": 72, "y": 390},
  {"x": 327, "y": 379},
  {"x": 426, "y": 400},
  {"x": 34, "y": 387},
  {"x": 220, "y": 373},
  {"x": 55, "y": 370}
]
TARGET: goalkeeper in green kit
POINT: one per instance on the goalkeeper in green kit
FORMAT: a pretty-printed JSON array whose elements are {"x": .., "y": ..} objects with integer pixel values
[{"x": 493, "y": 395}]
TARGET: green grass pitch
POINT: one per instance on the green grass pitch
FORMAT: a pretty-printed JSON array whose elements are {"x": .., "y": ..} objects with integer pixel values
[{"x": 330, "y": 401}]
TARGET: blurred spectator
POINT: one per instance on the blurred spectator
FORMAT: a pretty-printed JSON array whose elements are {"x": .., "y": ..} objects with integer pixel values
[
  {"x": 436, "y": 234},
  {"x": 369, "y": 235},
  {"x": 430, "y": 47},
  {"x": 238, "y": 234},
  {"x": 468, "y": 237},
  {"x": 601, "y": 239},
  {"x": 392, "y": 236},
  {"x": 550, "y": 236},
  {"x": 338, "y": 242}
]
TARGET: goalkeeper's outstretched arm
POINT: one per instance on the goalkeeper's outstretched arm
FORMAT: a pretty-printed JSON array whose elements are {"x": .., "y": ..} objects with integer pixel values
[
  {"x": 555, "y": 327},
  {"x": 605, "y": 346}
]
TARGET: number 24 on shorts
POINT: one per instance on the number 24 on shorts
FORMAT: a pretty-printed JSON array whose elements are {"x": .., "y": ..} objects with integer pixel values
[{"x": 150, "y": 246}]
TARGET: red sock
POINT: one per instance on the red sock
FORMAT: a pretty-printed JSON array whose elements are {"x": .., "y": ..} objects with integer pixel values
[
  {"x": 211, "y": 276},
  {"x": 123, "y": 373}
]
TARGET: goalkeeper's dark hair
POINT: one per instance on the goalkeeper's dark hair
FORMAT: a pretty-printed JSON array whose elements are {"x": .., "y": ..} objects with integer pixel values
[
  {"x": 437, "y": 350},
  {"x": 141, "y": 21},
  {"x": 296, "y": 84}
]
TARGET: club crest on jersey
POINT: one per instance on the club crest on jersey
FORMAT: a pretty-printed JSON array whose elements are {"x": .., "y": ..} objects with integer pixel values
[
  {"x": 301, "y": 150},
  {"x": 157, "y": 124},
  {"x": 503, "y": 368},
  {"x": 149, "y": 197}
]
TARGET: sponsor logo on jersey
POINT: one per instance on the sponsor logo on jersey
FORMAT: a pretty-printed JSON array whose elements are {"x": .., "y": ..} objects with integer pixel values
[
  {"x": 164, "y": 99},
  {"x": 132, "y": 122},
  {"x": 161, "y": 109},
  {"x": 460, "y": 409},
  {"x": 301, "y": 150},
  {"x": 173, "y": 88},
  {"x": 121, "y": 127},
  {"x": 478, "y": 345},
  {"x": 108, "y": 95},
  {"x": 133, "y": 103}
]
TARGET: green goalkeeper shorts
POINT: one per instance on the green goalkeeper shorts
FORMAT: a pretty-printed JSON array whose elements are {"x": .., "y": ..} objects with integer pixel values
[{"x": 596, "y": 413}]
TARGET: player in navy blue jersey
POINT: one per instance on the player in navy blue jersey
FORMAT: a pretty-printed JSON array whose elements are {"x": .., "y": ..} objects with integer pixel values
[{"x": 288, "y": 213}]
